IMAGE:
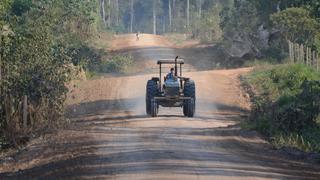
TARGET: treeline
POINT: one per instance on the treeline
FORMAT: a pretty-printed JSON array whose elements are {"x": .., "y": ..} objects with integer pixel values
[
  {"x": 261, "y": 29},
  {"x": 162, "y": 16},
  {"x": 40, "y": 40},
  {"x": 248, "y": 28}
]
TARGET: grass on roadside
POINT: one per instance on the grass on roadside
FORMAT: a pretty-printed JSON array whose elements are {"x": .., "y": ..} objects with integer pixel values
[
  {"x": 116, "y": 64},
  {"x": 286, "y": 105}
]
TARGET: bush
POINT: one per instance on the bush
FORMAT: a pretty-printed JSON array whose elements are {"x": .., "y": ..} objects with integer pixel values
[
  {"x": 282, "y": 80},
  {"x": 117, "y": 64},
  {"x": 36, "y": 50},
  {"x": 287, "y": 101}
]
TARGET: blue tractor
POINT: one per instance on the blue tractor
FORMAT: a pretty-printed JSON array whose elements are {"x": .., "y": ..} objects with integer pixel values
[{"x": 174, "y": 92}]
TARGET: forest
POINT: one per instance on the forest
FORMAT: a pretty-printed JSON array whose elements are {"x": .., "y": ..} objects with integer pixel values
[
  {"x": 43, "y": 41},
  {"x": 245, "y": 29}
]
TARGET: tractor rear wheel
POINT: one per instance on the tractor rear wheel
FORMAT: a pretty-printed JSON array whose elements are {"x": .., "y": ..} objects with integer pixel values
[
  {"x": 154, "y": 108},
  {"x": 189, "y": 105},
  {"x": 151, "y": 92}
]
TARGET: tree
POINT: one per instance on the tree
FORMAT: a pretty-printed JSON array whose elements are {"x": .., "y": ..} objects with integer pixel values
[
  {"x": 103, "y": 13},
  {"x": 131, "y": 15},
  {"x": 36, "y": 58},
  {"x": 170, "y": 15},
  {"x": 154, "y": 16},
  {"x": 188, "y": 14},
  {"x": 117, "y": 12},
  {"x": 242, "y": 17},
  {"x": 199, "y": 8},
  {"x": 296, "y": 25},
  {"x": 109, "y": 13}
]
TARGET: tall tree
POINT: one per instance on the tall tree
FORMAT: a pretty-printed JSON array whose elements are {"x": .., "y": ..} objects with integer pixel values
[
  {"x": 296, "y": 25},
  {"x": 174, "y": 13},
  {"x": 188, "y": 14},
  {"x": 131, "y": 15},
  {"x": 102, "y": 3},
  {"x": 154, "y": 17},
  {"x": 200, "y": 8},
  {"x": 109, "y": 13},
  {"x": 117, "y": 12},
  {"x": 170, "y": 16}
]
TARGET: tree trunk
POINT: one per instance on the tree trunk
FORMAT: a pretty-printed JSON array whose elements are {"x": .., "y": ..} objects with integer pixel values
[
  {"x": 25, "y": 112},
  {"x": 307, "y": 56},
  {"x": 131, "y": 16},
  {"x": 103, "y": 12},
  {"x": 170, "y": 16},
  {"x": 154, "y": 17},
  {"x": 200, "y": 8},
  {"x": 278, "y": 6},
  {"x": 117, "y": 12},
  {"x": 1, "y": 39},
  {"x": 109, "y": 18},
  {"x": 316, "y": 57},
  {"x": 188, "y": 14},
  {"x": 174, "y": 14},
  {"x": 0, "y": 76}
]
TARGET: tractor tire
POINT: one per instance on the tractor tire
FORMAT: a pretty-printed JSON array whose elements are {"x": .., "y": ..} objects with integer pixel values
[
  {"x": 151, "y": 92},
  {"x": 189, "y": 106},
  {"x": 185, "y": 109},
  {"x": 154, "y": 108}
]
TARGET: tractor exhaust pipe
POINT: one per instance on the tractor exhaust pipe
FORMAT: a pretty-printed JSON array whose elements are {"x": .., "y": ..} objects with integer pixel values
[{"x": 176, "y": 66}]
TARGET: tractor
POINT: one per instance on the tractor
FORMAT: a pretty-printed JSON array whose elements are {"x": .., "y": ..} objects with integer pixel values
[{"x": 175, "y": 92}]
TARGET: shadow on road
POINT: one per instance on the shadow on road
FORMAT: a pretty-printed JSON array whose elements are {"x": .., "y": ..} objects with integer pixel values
[
  {"x": 122, "y": 150},
  {"x": 131, "y": 155},
  {"x": 131, "y": 109}
]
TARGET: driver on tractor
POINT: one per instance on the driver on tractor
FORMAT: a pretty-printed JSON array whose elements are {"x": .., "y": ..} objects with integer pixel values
[{"x": 170, "y": 75}]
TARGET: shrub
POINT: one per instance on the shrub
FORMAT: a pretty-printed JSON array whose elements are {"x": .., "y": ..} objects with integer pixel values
[
  {"x": 287, "y": 101},
  {"x": 36, "y": 50},
  {"x": 116, "y": 64}
]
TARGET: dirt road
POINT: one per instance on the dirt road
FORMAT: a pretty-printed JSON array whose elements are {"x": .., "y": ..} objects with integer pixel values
[{"x": 111, "y": 137}]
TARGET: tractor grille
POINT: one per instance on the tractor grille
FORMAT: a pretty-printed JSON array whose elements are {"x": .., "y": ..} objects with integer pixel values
[{"x": 172, "y": 91}]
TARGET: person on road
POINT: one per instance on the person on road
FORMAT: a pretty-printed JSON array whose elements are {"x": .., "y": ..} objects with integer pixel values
[
  {"x": 137, "y": 35},
  {"x": 170, "y": 75}
]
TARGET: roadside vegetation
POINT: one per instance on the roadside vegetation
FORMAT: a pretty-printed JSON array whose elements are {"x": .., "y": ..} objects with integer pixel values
[
  {"x": 285, "y": 95},
  {"x": 41, "y": 43},
  {"x": 119, "y": 64},
  {"x": 44, "y": 45},
  {"x": 286, "y": 105}
]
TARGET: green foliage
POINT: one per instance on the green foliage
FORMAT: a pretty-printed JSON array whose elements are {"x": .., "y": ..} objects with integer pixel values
[
  {"x": 39, "y": 42},
  {"x": 4, "y": 6},
  {"x": 296, "y": 24},
  {"x": 267, "y": 25},
  {"x": 282, "y": 80},
  {"x": 287, "y": 102},
  {"x": 294, "y": 140},
  {"x": 116, "y": 64},
  {"x": 242, "y": 18},
  {"x": 312, "y": 5},
  {"x": 19, "y": 7},
  {"x": 86, "y": 57},
  {"x": 208, "y": 28},
  {"x": 275, "y": 52},
  {"x": 317, "y": 42}
]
